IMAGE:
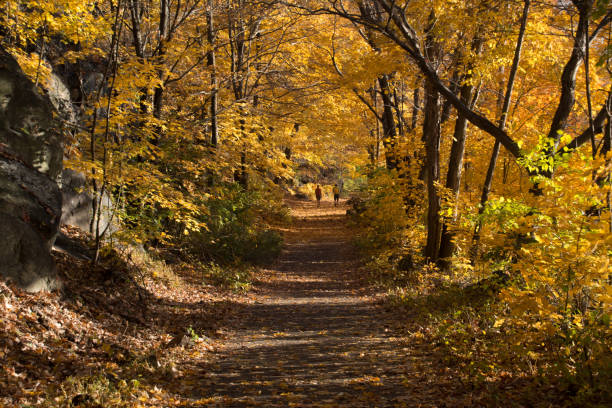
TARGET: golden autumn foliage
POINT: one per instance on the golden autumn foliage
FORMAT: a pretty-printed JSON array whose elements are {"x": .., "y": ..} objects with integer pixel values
[{"x": 203, "y": 113}]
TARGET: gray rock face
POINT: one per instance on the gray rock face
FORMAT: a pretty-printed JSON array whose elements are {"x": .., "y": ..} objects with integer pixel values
[
  {"x": 27, "y": 262},
  {"x": 26, "y": 120},
  {"x": 30, "y": 162},
  {"x": 77, "y": 203},
  {"x": 77, "y": 199},
  {"x": 91, "y": 83},
  {"x": 59, "y": 94},
  {"x": 31, "y": 196}
]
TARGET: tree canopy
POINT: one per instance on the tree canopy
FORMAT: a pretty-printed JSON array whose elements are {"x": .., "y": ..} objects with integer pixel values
[{"x": 474, "y": 137}]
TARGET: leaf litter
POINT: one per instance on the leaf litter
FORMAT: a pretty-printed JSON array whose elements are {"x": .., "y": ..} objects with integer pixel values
[{"x": 311, "y": 332}]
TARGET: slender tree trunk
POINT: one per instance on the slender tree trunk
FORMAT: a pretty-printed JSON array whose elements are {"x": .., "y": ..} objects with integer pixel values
[
  {"x": 377, "y": 142},
  {"x": 244, "y": 178},
  {"x": 484, "y": 197},
  {"x": 568, "y": 77},
  {"x": 505, "y": 170},
  {"x": 431, "y": 133},
  {"x": 214, "y": 131},
  {"x": 431, "y": 137},
  {"x": 98, "y": 196},
  {"x": 416, "y": 106},
  {"x": 587, "y": 81},
  {"x": 92, "y": 142},
  {"x": 486, "y": 188},
  {"x": 606, "y": 147},
  {"x": 388, "y": 122},
  {"x": 158, "y": 93},
  {"x": 453, "y": 176},
  {"x": 99, "y": 234},
  {"x": 136, "y": 14},
  {"x": 454, "y": 87},
  {"x": 398, "y": 113}
]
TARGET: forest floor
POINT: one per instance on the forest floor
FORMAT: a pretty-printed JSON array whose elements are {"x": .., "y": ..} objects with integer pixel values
[
  {"x": 318, "y": 336},
  {"x": 310, "y": 332}
]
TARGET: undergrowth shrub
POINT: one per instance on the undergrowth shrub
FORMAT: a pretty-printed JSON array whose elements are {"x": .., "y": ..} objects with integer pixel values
[
  {"x": 389, "y": 234},
  {"x": 236, "y": 278},
  {"x": 536, "y": 302},
  {"x": 563, "y": 302},
  {"x": 99, "y": 390},
  {"x": 555, "y": 247},
  {"x": 237, "y": 227}
]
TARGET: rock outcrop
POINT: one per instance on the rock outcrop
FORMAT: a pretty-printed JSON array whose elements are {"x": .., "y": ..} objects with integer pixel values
[
  {"x": 31, "y": 156},
  {"x": 77, "y": 198},
  {"x": 77, "y": 204}
]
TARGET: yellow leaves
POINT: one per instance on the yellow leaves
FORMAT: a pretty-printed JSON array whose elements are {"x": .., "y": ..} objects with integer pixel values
[
  {"x": 33, "y": 66},
  {"x": 74, "y": 20},
  {"x": 533, "y": 355}
]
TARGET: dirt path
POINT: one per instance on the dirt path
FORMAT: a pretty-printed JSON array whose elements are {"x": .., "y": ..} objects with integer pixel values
[{"x": 315, "y": 337}]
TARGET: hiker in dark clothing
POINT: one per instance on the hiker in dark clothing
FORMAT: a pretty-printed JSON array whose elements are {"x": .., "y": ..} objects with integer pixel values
[{"x": 318, "y": 195}]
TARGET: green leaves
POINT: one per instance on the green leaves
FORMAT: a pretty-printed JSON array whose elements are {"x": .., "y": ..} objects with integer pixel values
[{"x": 599, "y": 9}]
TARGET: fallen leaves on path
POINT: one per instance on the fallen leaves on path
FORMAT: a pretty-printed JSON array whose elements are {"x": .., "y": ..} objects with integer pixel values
[{"x": 310, "y": 333}]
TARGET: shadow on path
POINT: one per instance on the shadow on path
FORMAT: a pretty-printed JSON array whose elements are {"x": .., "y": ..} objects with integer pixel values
[{"x": 314, "y": 337}]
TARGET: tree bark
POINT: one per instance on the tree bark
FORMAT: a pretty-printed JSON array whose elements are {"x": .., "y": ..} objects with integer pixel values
[
  {"x": 399, "y": 114},
  {"x": 158, "y": 93},
  {"x": 606, "y": 147},
  {"x": 455, "y": 165},
  {"x": 453, "y": 176},
  {"x": 211, "y": 62},
  {"x": 388, "y": 123},
  {"x": 136, "y": 14},
  {"x": 568, "y": 77},
  {"x": 454, "y": 87},
  {"x": 431, "y": 133},
  {"x": 607, "y": 138},
  {"x": 486, "y": 189},
  {"x": 598, "y": 127},
  {"x": 416, "y": 106},
  {"x": 431, "y": 136}
]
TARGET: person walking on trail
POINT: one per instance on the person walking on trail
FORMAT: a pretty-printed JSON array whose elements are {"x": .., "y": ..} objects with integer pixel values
[
  {"x": 318, "y": 195},
  {"x": 336, "y": 195}
]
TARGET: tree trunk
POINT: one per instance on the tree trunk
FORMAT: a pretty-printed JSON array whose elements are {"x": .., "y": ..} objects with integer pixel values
[
  {"x": 453, "y": 176},
  {"x": 454, "y": 87},
  {"x": 568, "y": 77},
  {"x": 607, "y": 139},
  {"x": 214, "y": 131},
  {"x": 486, "y": 188},
  {"x": 388, "y": 123},
  {"x": 431, "y": 134},
  {"x": 136, "y": 14},
  {"x": 431, "y": 137},
  {"x": 607, "y": 145},
  {"x": 398, "y": 114},
  {"x": 416, "y": 106},
  {"x": 158, "y": 93}
]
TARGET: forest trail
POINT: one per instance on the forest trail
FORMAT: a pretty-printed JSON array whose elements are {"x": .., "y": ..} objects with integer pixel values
[{"x": 316, "y": 335}]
